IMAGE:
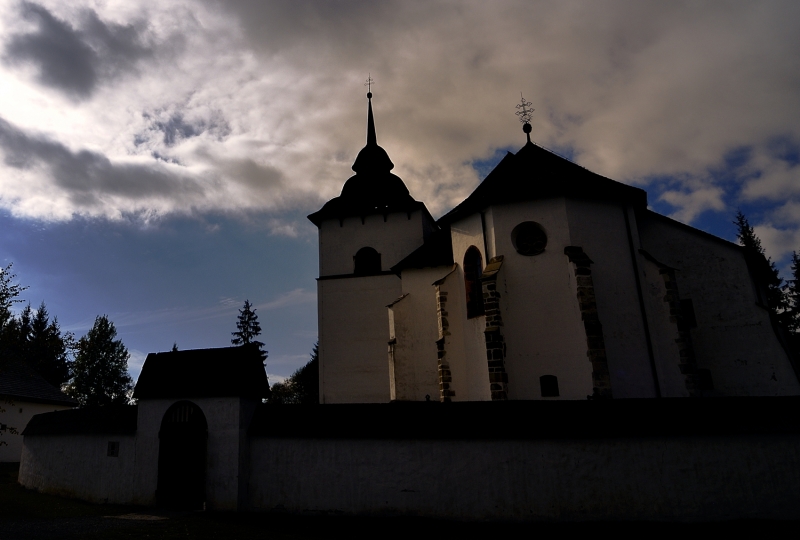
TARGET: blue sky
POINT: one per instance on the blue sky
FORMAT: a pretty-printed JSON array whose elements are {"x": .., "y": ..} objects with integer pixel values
[
  {"x": 157, "y": 160},
  {"x": 182, "y": 280}
]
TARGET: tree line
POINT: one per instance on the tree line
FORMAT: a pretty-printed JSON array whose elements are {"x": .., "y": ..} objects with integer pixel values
[
  {"x": 782, "y": 296},
  {"x": 93, "y": 370}
]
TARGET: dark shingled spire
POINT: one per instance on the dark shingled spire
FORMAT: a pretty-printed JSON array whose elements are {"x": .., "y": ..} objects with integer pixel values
[
  {"x": 372, "y": 138},
  {"x": 372, "y": 158},
  {"x": 373, "y": 189}
]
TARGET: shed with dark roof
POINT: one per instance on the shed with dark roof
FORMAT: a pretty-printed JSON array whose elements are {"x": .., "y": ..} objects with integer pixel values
[{"x": 20, "y": 382}]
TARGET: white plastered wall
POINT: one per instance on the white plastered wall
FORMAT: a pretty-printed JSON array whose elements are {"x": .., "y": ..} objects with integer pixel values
[
  {"x": 471, "y": 371},
  {"x": 734, "y": 338},
  {"x": 413, "y": 364},
  {"x": 79, "y": 466},
  {"x": 394, "y": 239},
  {"x": 543, "y": 331},
  {"x": 227, "y": 448},
  {"x": 17, "y": 413},
  {"x": 662, "y": 333},
  {"x": 600, "y": 229},
  {"x": 353, "y": 337}
]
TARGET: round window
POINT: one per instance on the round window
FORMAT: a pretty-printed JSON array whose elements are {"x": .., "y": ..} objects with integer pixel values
[{"x": 529, "y": 238}]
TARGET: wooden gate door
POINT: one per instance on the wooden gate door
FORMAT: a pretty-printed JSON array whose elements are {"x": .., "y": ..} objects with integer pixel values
[{"x": 182, "y": 457}]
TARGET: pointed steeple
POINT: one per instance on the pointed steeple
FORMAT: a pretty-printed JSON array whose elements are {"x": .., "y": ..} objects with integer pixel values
[
  {"x": 373, "y": 189},
  {"x": 372, "y": 139},
  {"x": 372, "y": 158}
]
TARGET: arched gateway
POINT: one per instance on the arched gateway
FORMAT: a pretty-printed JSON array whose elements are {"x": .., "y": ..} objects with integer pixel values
[{"x": 182, "y": 457}]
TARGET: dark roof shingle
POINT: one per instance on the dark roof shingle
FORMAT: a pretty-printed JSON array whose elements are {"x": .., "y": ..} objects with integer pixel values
[
  {"x": 18, "y": 380},
  {"x": 223, "y": 372},
  {"x": 535, "y": 173},
  {"x": 110, "y": 420}
]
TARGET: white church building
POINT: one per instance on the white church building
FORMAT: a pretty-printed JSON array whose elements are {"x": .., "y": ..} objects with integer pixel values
[{"x": 548, "y": 282}]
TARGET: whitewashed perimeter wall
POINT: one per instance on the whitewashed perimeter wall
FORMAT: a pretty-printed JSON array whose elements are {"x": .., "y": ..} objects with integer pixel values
[
  {"x": 17, "y": 415},
  {"x": 226, "y": 450},
  {"x": 78, "y": 466},
  {"x": 680, "y": 478},
  {"x": 734, "y": 338}
]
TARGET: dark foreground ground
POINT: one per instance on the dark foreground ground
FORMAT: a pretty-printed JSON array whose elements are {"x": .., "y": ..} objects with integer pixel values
[{"x": 27, "y": 515}]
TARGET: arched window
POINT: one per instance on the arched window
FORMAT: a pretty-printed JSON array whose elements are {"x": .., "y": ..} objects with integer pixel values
[
  {"x": 367, "y": 262},
  {"x": 473, "y": 268},
  {"x": 549, "y": 384}
]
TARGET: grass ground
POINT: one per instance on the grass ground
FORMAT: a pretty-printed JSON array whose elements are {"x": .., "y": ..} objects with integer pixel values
[{"x": 28, "y": 515}]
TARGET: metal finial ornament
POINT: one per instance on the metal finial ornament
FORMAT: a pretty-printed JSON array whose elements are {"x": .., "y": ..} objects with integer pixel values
[
  {"x": 368, "y": 84},
  {"x": 524, "y": 112}
]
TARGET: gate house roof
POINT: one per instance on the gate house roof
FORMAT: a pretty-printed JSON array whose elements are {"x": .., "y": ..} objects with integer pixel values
[{"x": 223, "y": 372}]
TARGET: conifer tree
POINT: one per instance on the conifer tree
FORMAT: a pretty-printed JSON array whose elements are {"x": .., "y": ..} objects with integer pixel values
[
  {"x": 776, "y": 297},
  {"x": 47, "y": 349},
  {"x": 100, "y": 368},
  {"x": 792, "y": 291},
  {"x": 248, "y": 328}
]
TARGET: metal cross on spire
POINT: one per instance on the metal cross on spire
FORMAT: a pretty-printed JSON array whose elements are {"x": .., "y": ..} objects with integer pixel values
[
  {"x": 368, "y": 84},
  {"x": 524, "y": 111}
]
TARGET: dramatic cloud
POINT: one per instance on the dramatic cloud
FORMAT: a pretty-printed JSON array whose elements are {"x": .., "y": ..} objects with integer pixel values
[
  {"x": 126, "y": 108},
  {"x": 70, "y": 59}
]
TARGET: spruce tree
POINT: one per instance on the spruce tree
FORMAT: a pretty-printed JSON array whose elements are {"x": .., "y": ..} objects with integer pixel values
[
  {"x": 248, "y": 328},
  {"x": 100, "y": 369},
  {"x": 47, "y": 349},
  {"x": 776, "y": 297},
  {"x": 792, "y": 291}
]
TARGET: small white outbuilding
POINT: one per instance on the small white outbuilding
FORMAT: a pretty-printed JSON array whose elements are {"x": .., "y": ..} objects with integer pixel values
[{"x": 23, "y": 394}]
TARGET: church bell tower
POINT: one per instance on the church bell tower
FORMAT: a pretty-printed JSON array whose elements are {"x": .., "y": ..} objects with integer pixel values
[{"x": 368, "y": 228}]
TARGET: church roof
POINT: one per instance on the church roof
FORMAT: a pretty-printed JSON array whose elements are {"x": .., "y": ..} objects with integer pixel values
[
  {"x": 223, "y": 372},
  {"x": 373, "y": 189},
  {"x": 19, "y": 381},
  {"x": 535, "y": 173}
]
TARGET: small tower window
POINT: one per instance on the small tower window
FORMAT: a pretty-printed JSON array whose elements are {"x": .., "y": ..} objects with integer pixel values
[
  {"x": 529, "y": 238},
  {"x": 367, "y": 262},
  {"x": 473, "y": 268},
  {"x": 549, "y": 384}
]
